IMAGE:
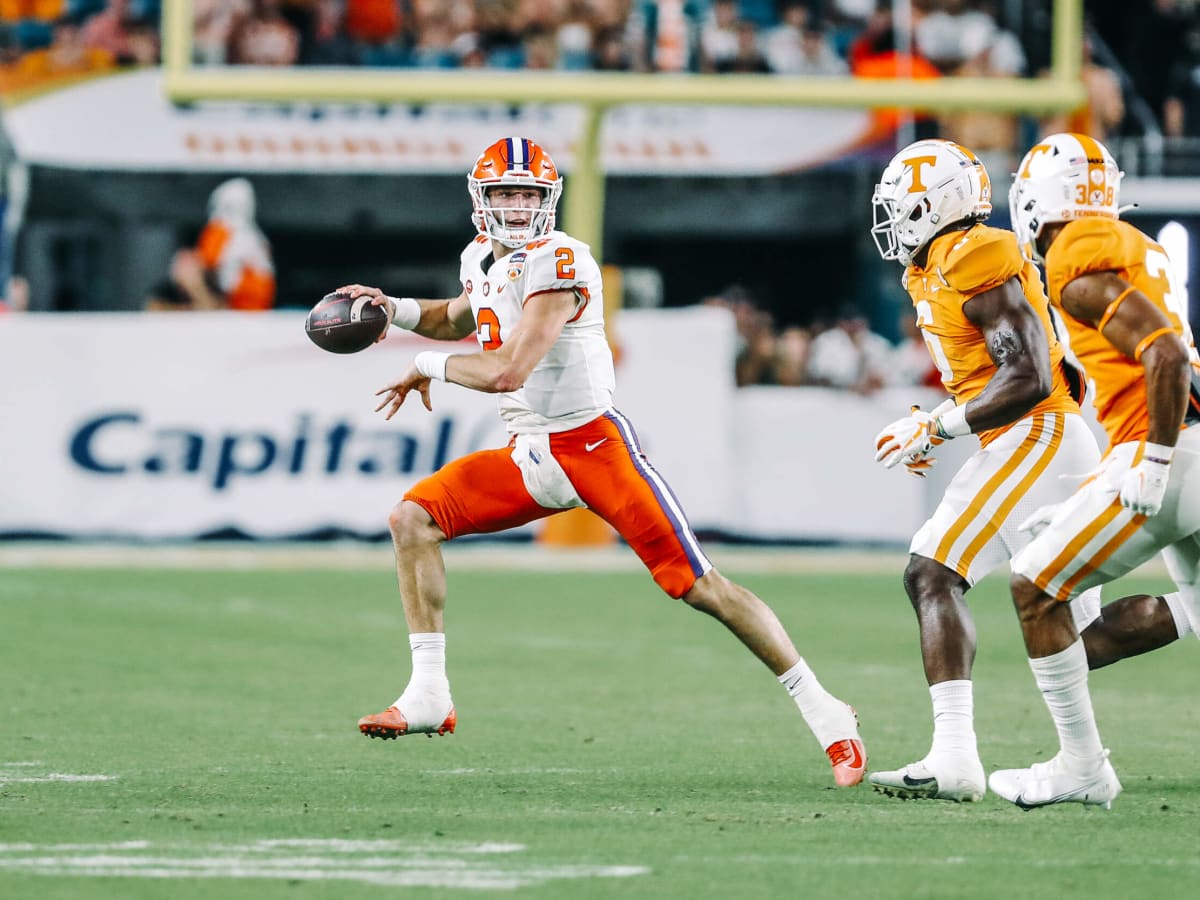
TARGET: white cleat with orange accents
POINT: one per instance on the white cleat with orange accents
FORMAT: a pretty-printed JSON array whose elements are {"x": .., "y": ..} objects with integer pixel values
[
  {"x": 425, "y": 715},
  {"x": 848, "y": 756}
]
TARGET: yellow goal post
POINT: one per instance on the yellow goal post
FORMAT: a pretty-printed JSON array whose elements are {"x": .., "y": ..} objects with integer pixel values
[{"x": 596, "y": 92}]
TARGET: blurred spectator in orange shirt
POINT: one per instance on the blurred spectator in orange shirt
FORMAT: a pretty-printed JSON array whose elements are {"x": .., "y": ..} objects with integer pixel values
[
  {"x": 875, "y": 54},
  {"x": 373, "y": 21},
  {"x": 230, "y": 267}
]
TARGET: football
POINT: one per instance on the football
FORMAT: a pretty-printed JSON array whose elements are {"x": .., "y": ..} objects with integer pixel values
[{"x": 340, "y": 324}]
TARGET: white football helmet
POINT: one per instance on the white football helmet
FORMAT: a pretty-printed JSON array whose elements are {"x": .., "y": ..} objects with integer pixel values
[
  {"x": 519, "y": 162},
  {"x": 1063, "y": 177},
  {"x": 928, "y": 185}
]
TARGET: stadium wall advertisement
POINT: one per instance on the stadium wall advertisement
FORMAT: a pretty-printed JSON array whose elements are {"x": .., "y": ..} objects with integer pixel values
[
  {"x": 125, "y": 122},
  {"x": 176, "y": 426}
]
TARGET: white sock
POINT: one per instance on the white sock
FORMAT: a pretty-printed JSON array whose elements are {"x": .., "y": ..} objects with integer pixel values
[
  {"x": 1179, "y": 611},
  {"x": 1063, "y": 681},
  {"x": 428, "y": 666},
  {"x": 829, "y": 718},
  {"x": 953, "y": 719}
]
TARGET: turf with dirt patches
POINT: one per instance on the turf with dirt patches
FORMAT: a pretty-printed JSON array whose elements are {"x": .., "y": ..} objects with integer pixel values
[{"x": 191, "y": 734}]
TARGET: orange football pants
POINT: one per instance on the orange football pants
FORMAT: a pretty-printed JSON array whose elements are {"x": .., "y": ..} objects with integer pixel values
[{"x": 483, "y": 492}]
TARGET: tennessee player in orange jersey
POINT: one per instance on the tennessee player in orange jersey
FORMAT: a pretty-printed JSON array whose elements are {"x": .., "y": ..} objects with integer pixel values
[
  {"x": 1122, "y": 307},
  {"x": 986, "y": 322},
  {"x": 534, "y": 300}
]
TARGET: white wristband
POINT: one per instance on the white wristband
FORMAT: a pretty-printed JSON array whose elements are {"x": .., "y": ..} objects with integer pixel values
[
  {"x": 406, "y": 312},
  {"x": 953, "y": 423},
  {"x": 432, "y": 364},
  {"x": 1158, "y": 453}
]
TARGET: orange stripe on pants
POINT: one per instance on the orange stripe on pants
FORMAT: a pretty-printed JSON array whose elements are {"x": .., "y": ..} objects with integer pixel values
[
  {"x": 1015, "y": 495},
  {"x": 985, "y": 494}
]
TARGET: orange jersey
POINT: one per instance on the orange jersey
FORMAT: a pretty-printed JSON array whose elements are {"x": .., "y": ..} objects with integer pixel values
[
  {"x": 959, "y": 266},
  {"x": 1107, "y": 245}
]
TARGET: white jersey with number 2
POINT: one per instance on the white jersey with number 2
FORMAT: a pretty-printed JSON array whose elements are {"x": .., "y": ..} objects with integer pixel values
[{"x": 574, "y": 381}]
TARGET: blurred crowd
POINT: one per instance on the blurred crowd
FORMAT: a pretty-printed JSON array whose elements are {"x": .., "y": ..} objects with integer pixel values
[
  {"x": 839, "y": 351},
  {"x": 1157, "y": 44},
  {"x": 41, "y": 40}
]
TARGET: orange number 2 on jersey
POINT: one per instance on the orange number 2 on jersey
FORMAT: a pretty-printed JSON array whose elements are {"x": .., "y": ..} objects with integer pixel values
[
  {"x": 566, "y": 262},
  {"x": 487, "y": 325}
]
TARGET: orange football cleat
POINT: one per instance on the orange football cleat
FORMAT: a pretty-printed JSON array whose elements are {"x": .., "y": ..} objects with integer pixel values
[
  {"x": 391, "y": 724},
  {"x": 849, "y": 761}
]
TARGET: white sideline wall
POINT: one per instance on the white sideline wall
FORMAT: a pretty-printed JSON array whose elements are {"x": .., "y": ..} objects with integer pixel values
[{"x": 174, "y": 425}]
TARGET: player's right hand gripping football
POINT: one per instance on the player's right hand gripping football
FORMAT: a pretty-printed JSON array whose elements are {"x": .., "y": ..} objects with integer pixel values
[
  {"x": 395, "y": 392},
  {"x": 378, "y": 298},
  {"x": 909, "y": 441}
]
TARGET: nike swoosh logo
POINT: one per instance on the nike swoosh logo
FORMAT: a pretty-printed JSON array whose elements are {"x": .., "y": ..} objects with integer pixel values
[
  {"x": 856, "y": 760},
  {"x": 909, "y": 781},
  {"x": 590, "y": 447},
  {"x": 1057, "y": 798}
]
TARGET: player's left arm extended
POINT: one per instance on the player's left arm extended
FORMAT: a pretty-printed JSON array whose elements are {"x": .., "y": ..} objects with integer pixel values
[
  {"x": 1018, "y": 345},
  {"x": 1131, "y": 322}
]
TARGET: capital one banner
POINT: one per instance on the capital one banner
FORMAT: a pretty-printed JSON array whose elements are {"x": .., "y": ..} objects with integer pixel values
[{"x": 176, "y": 425}]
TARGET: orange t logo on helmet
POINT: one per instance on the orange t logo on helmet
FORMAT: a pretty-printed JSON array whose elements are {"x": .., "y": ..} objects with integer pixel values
[
  {"x": 915, "y": 163},
  {"x": 1034, "y": 152}
]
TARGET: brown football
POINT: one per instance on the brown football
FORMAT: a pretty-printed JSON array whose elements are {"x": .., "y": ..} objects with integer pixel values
[{"x": 342, "y": 325}]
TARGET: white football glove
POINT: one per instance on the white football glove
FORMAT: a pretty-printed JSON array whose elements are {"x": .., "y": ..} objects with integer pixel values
[
  {"x": 908, "y": 440},
  {"x": 1144, "y": 486}
]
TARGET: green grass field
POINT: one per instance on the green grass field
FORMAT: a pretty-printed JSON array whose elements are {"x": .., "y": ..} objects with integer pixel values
[{"x": 191, "y": 734}]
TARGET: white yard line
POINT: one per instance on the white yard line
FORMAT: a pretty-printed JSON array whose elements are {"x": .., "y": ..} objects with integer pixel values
[
  {"x": 18, "y": 772},
  {"x": 460, "y": 864}
]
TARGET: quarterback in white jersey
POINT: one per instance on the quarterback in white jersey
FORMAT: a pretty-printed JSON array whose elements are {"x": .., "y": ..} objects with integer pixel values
[
  {"x": 573, "y": 383},
  {"x": 534, "y": 300}
]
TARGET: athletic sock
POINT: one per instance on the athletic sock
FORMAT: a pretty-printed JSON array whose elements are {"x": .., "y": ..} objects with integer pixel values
[
  {"x": 1063, "y": 681},
  {"x": 428, "y": 666},
  {"x": 829, "y": 718},
  {"x": 953, "y": 720}
]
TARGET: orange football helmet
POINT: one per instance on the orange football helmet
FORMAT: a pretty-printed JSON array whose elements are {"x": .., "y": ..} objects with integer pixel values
[{"x": 514, "y": 161}]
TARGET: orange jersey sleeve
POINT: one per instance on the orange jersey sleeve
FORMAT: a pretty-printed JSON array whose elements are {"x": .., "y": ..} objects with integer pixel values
[
  {"x": 212, "y": 241},
  {"x": 961, "y": 265},
  {"x": 1106, "y": 245}
]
